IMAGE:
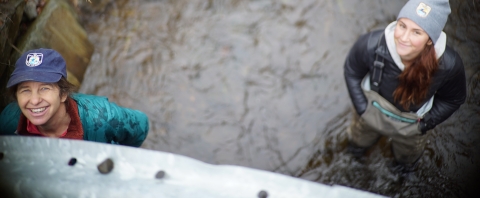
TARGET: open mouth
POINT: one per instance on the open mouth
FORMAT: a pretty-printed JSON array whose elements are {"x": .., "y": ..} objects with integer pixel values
[{"x": 39, "y": 110}]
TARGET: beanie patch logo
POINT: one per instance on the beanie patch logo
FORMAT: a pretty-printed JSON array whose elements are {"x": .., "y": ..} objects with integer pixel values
[
  {"x": 423, "y": 10},
  {"x": 34, "y": 59}
]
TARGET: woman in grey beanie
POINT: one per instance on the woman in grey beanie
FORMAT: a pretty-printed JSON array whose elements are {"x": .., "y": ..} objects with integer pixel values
[{"x": 403, "y": 81}]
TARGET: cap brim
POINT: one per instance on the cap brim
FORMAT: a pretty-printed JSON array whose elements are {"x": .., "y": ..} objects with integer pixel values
[{"x": 46, "y": 77}]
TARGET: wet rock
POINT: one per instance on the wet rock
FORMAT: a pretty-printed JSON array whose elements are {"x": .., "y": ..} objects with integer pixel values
[
  {"x": 262, "y": 194},
  {"x": 58, "y": 27},
  {"x": 106, "y": 166},
  {"x": 72, "y": 161},
  {"x": 93, "y": 6},
  {"x": 160, "y": 174},
  {"x": 31, "y": 9}
]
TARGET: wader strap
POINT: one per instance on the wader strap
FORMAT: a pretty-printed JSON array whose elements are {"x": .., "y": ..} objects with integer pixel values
[{"x": 376, "y": 77}]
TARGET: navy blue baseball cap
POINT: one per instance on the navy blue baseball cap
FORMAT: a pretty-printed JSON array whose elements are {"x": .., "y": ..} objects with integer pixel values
[{"x": 40, "y": 65}]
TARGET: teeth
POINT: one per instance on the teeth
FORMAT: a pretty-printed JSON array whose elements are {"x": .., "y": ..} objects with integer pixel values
[{"x": 38, "y": 110}]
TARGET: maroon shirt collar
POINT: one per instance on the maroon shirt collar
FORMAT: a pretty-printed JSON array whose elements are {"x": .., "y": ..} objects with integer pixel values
[{"x": 74, "y": 131}]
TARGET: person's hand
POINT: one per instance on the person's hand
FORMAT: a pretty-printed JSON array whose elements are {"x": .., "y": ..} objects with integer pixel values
[
  {"x": 422, "y": 127},
  {"x": 360, "y": 110}
]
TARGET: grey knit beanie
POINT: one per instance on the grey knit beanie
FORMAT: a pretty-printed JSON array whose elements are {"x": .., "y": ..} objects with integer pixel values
[{"x": 430, "y": 15}]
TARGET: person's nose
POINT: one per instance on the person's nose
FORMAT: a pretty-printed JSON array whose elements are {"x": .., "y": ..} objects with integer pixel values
[
  {"x": 35, "y": 98},
  {"x": 404, "y": 36}
]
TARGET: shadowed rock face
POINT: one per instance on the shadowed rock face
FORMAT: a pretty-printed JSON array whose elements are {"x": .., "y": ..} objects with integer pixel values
[
  {"x": 457, "y": 154},
  {"x": 10, "y": 17},
  {"x": 260, "y": 84}
]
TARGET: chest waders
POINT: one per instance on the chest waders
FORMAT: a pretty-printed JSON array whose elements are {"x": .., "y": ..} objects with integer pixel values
[
  {"x": 382, "y": 115},
  {"x": 383, "y": 118}
]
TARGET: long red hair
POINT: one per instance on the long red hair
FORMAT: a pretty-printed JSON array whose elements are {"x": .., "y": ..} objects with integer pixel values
[{"x": 415, "y": 80}]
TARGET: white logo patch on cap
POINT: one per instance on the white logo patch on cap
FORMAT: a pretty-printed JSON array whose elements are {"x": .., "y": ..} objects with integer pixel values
[
  {"x": 34, "y": 59},
  {"x": 423, "y": 9}
]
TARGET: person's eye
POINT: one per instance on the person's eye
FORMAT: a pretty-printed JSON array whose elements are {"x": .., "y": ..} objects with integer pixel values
[
  {"x": 23, "y": 91},
  {"x": 45, "y": 88}
]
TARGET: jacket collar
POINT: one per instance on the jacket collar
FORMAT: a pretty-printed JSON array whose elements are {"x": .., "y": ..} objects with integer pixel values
[
  {"x": 74, "y": 131},
  {"x": 389, "y": 30}
]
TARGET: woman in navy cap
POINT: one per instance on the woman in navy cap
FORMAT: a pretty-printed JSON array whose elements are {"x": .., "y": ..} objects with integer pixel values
[
  {"x": 403, "y": 81},
  {"x": 46, "y": 105}
]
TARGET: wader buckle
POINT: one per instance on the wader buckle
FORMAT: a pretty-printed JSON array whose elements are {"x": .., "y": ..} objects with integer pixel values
[{"x": 378, "y": 64}]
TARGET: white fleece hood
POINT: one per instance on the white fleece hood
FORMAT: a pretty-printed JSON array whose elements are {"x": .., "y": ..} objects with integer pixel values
[{"x": 439, "y": 46}]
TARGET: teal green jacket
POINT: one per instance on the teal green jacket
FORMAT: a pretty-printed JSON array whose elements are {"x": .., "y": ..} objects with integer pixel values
[{"x": 102, "y": 121}]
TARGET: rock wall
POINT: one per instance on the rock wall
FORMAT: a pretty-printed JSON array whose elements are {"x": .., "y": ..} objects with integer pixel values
[{"x": 10, "y": 18}]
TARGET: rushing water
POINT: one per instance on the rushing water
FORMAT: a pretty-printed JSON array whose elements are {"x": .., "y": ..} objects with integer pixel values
[{"x": 260, "y": 84}]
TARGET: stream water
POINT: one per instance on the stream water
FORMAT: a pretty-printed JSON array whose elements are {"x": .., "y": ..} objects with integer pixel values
[{"x": 260, "y": 84}]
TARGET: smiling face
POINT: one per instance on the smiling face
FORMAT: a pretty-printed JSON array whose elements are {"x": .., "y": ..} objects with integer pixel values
[
  {"x": 410, "y": 39},
  {"x": 41, "y": 102}
]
